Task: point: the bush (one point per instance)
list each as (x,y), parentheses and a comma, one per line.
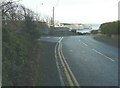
(19,30)
(109,28)
(15,58)
(30,28)
(94,31)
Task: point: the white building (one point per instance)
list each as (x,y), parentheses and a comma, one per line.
(75,26)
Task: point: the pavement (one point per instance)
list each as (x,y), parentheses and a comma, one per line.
(48,72)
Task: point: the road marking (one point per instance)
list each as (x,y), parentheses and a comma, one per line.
(70,50)
(60,39)
(85,44)
(47,37)
(103,55)
(60,75)
(69,75)
(82,42)
(68,70)
(64,67)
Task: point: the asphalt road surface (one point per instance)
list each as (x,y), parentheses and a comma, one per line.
(92,62)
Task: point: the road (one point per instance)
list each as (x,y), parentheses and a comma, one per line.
(92,62)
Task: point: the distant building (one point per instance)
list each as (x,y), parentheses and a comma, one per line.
(75,26)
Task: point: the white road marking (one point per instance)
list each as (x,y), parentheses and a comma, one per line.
(83,51)
(47,37)
(85,44)
(60,39)
(103,55)
(60,75)
(82,42)
(70,50)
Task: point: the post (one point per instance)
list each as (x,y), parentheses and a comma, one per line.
(1,48)
(53,17)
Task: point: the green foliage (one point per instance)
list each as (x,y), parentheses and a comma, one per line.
(94,31)
(30,28)
(118,27)
(18,55)
(19,33)
(109,28)
(14,57)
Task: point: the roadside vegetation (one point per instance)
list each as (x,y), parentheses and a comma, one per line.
(109,32)
(110,28)
(94,31)
(21,27)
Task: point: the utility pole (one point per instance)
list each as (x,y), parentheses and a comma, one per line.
(53,17)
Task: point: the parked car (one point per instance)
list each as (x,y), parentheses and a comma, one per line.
(83,31)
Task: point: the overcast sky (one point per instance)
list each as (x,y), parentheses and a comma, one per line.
(76,11)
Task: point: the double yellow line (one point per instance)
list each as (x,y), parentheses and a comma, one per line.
(71,80)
